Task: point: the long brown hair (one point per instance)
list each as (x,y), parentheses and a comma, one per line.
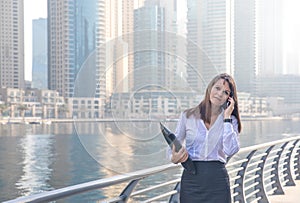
(203,110)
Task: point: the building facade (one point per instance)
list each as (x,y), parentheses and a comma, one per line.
(12,44)
(269,37)
(32,103)
(39,53)
(208,41)
(149,59)
(150,104)
(245,45)
(72,28)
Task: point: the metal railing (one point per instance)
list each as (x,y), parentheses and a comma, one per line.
(255,172)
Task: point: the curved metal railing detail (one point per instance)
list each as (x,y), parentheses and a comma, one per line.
(266,169)
(297,164)
(255,173)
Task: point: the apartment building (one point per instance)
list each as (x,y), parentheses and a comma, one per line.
(11,44)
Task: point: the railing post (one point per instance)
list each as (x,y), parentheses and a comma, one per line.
(297,164)
(175,197)
(262,192)
(127,191)
(240,188)
(275,172)
(287,166)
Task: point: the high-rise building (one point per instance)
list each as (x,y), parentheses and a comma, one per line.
(149,43)
(292,62)
(127,24)
(175,45)
(269,37)
(101,49)
(159,52)
(245,46)
(61,47)
(208,41)
(72,38)
(12,44)
(116,49)
(285,86)
(39,53)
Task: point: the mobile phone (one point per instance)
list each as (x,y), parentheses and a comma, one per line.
(228,102)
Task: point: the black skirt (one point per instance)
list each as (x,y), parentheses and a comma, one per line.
(209,185)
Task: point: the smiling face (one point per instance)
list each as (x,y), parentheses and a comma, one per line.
(219,93)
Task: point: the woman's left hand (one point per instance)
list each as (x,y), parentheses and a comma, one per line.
(228,111)
(180,156)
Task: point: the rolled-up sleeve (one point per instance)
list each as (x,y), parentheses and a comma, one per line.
(231,143)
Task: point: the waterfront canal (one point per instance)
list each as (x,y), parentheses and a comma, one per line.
(36,158)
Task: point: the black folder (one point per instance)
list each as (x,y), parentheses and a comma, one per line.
(172,140)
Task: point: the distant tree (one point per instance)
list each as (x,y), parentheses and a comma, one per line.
(3,108)
(22,108)
(62,110)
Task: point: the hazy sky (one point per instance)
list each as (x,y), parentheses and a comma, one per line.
(34,9)
(291,33)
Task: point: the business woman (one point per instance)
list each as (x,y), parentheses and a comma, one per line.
(210,134)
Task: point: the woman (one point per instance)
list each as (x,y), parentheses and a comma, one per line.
(210,133)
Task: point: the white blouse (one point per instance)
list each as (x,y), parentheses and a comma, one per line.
(216,144)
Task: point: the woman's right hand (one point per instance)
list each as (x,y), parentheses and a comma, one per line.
(180,156)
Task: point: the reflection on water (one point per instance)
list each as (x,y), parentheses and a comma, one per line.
(42,157)
(257,132)
(122,148)
(37,158)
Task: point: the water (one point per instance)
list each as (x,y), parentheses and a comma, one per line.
(37,158)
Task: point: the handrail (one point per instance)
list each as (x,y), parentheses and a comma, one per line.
(254,171)
(92,185)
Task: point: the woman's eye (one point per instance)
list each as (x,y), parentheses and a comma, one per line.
(227,93)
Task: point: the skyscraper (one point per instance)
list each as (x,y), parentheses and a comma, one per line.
(159,51)
(245,45)
(149,43)
(175,45)
(12,44)
(269,37)
(72,44)
(61,46)
(208,41)
(101,49)
(39,53)
(127,23)
(115,49)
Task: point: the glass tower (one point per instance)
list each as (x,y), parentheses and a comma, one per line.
(71,43)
